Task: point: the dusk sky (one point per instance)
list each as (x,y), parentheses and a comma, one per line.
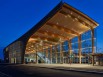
(19,16)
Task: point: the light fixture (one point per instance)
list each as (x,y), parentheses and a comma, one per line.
(32,46)
(29,47)
(78,16)
(76,19)
(57,23)
(65,16)
(69,15)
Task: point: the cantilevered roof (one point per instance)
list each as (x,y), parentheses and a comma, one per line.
(63,22)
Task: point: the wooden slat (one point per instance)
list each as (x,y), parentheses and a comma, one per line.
(54,35)
(79,20)
(62,28)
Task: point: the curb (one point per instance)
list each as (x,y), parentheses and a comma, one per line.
(73,69)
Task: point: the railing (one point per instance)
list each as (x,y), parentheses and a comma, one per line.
(45,59)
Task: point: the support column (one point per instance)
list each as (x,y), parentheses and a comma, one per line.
(61,53)
(79,46)
(92,33)
(36,58)
(47,55)
(70,51)
(62,56)
(51,55)
(36,54)
(42,49)
(56,53)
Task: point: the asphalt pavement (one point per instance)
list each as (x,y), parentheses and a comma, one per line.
(10,70)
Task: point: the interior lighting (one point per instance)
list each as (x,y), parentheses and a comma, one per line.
(78,16)
(69,15)
(57,23)
(32,46)
(76,19)
(65,16)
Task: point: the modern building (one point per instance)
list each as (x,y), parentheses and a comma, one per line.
(65,35)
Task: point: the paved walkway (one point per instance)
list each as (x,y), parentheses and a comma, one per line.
(72,67)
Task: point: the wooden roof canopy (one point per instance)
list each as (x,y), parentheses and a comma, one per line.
(66,23)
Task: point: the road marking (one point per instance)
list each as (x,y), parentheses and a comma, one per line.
(5,74)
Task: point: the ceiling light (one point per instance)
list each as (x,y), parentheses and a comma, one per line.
(69,15)
(76,19)
(32,46)
(78,16)
(57,23)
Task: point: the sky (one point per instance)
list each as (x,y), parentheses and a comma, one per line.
(19,16)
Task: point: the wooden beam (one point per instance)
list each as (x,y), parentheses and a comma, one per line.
(47,54)
(69,8)
(51,55)
(63,29)
(74,17)
(53,35)
(79,46)
(70,51)
(56,53)
(92,32)
(44,38)
(61,56)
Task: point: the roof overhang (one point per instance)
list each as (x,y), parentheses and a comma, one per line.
(65,24)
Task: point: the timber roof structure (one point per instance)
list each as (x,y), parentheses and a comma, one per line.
(63,23)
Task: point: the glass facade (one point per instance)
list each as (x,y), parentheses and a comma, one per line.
(60,53)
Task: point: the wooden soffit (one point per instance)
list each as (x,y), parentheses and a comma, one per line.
(65,24)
